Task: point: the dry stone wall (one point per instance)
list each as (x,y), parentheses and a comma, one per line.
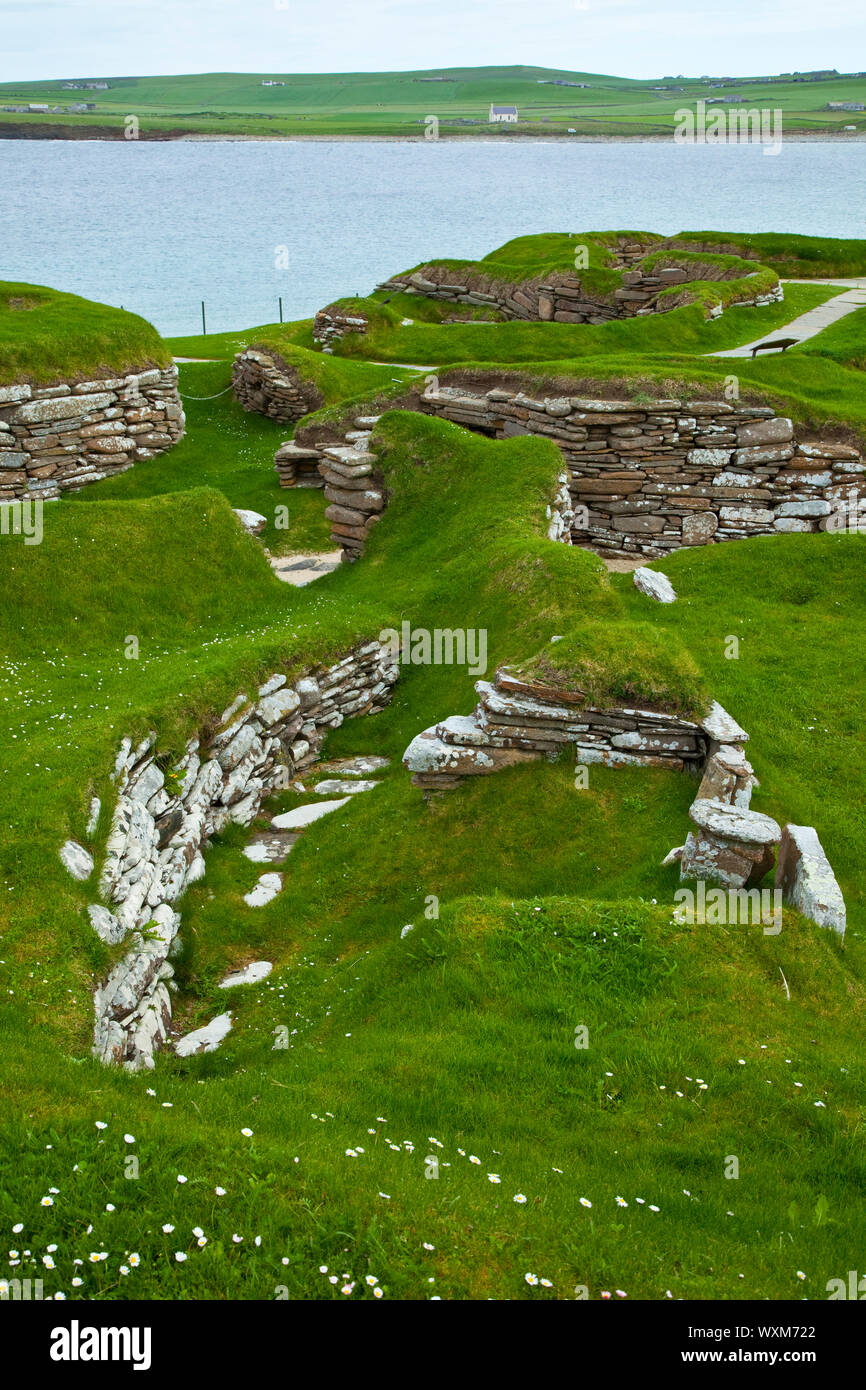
(263,382)
(355,489)
(648,478)
(640,479)
(561,297)
(332,323)
(297,466)
(59,438)
(164,818)
(520,720)
(731,844)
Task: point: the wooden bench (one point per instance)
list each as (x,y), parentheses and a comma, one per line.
(775,343)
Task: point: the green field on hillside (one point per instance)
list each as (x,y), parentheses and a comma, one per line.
(399,104)
(431,1130)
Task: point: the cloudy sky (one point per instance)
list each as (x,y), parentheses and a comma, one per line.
(630,38)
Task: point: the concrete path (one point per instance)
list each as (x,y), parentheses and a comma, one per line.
(813,322)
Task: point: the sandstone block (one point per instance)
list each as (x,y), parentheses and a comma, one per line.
(775,431)
(806,879)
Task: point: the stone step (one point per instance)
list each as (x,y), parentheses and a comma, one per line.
(206,1039)
(360,766)
(339,786)
(302,816)
(270,846)
(249,975)
(264,892)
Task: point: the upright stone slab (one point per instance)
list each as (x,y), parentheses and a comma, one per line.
(806,879)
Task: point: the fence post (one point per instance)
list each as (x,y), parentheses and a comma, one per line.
(281,308)
(203,320)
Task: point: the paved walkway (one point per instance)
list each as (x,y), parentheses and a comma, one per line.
(813,322)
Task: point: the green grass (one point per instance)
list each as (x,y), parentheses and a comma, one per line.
(465,1031)
(811,388)
(729,278)
(397,103)
(792,256)
(222,345)
(844,341)
(679,331)
(231,450)
(333,378)
(553,910)
(47,336)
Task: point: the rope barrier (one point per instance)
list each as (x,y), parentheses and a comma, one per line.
(202,398)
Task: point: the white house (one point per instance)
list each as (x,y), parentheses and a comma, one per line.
(502,114)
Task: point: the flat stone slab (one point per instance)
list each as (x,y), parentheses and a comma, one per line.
(338,786)
(429,755)
(719,725)
(655,585)
(76,860)
(735,823)
(206,1039)
(804,874)
(356,767)
(250,975)
(265,890)
(303,816)
(299,570)
(270,846)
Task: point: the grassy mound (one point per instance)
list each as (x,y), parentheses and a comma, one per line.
(730,277)
(788,254)
(792,256)
(48,336)
(333,378)
(537,908)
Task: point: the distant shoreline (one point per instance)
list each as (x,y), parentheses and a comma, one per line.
(107,135)
(506,139)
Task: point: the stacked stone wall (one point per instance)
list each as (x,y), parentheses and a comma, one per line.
(562,297)
(59,438)
(332,323)
(165,816)
(648,478)
(263,382)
